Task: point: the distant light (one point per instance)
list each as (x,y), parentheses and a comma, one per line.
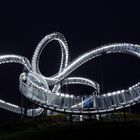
(109,94)
(66,95)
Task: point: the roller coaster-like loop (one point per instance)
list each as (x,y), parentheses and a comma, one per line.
(36,87)
(67,103)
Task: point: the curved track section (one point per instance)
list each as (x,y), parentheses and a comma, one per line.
(64,102)
(12,107)
(38,88)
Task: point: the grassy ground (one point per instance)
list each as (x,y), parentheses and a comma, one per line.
(59,128)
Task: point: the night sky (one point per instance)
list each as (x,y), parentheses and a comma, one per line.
(85,24)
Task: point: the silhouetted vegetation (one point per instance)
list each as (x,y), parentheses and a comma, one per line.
(58,127)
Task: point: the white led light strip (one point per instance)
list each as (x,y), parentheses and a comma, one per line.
(36,87)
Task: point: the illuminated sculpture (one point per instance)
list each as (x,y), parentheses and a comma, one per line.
(36,87)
